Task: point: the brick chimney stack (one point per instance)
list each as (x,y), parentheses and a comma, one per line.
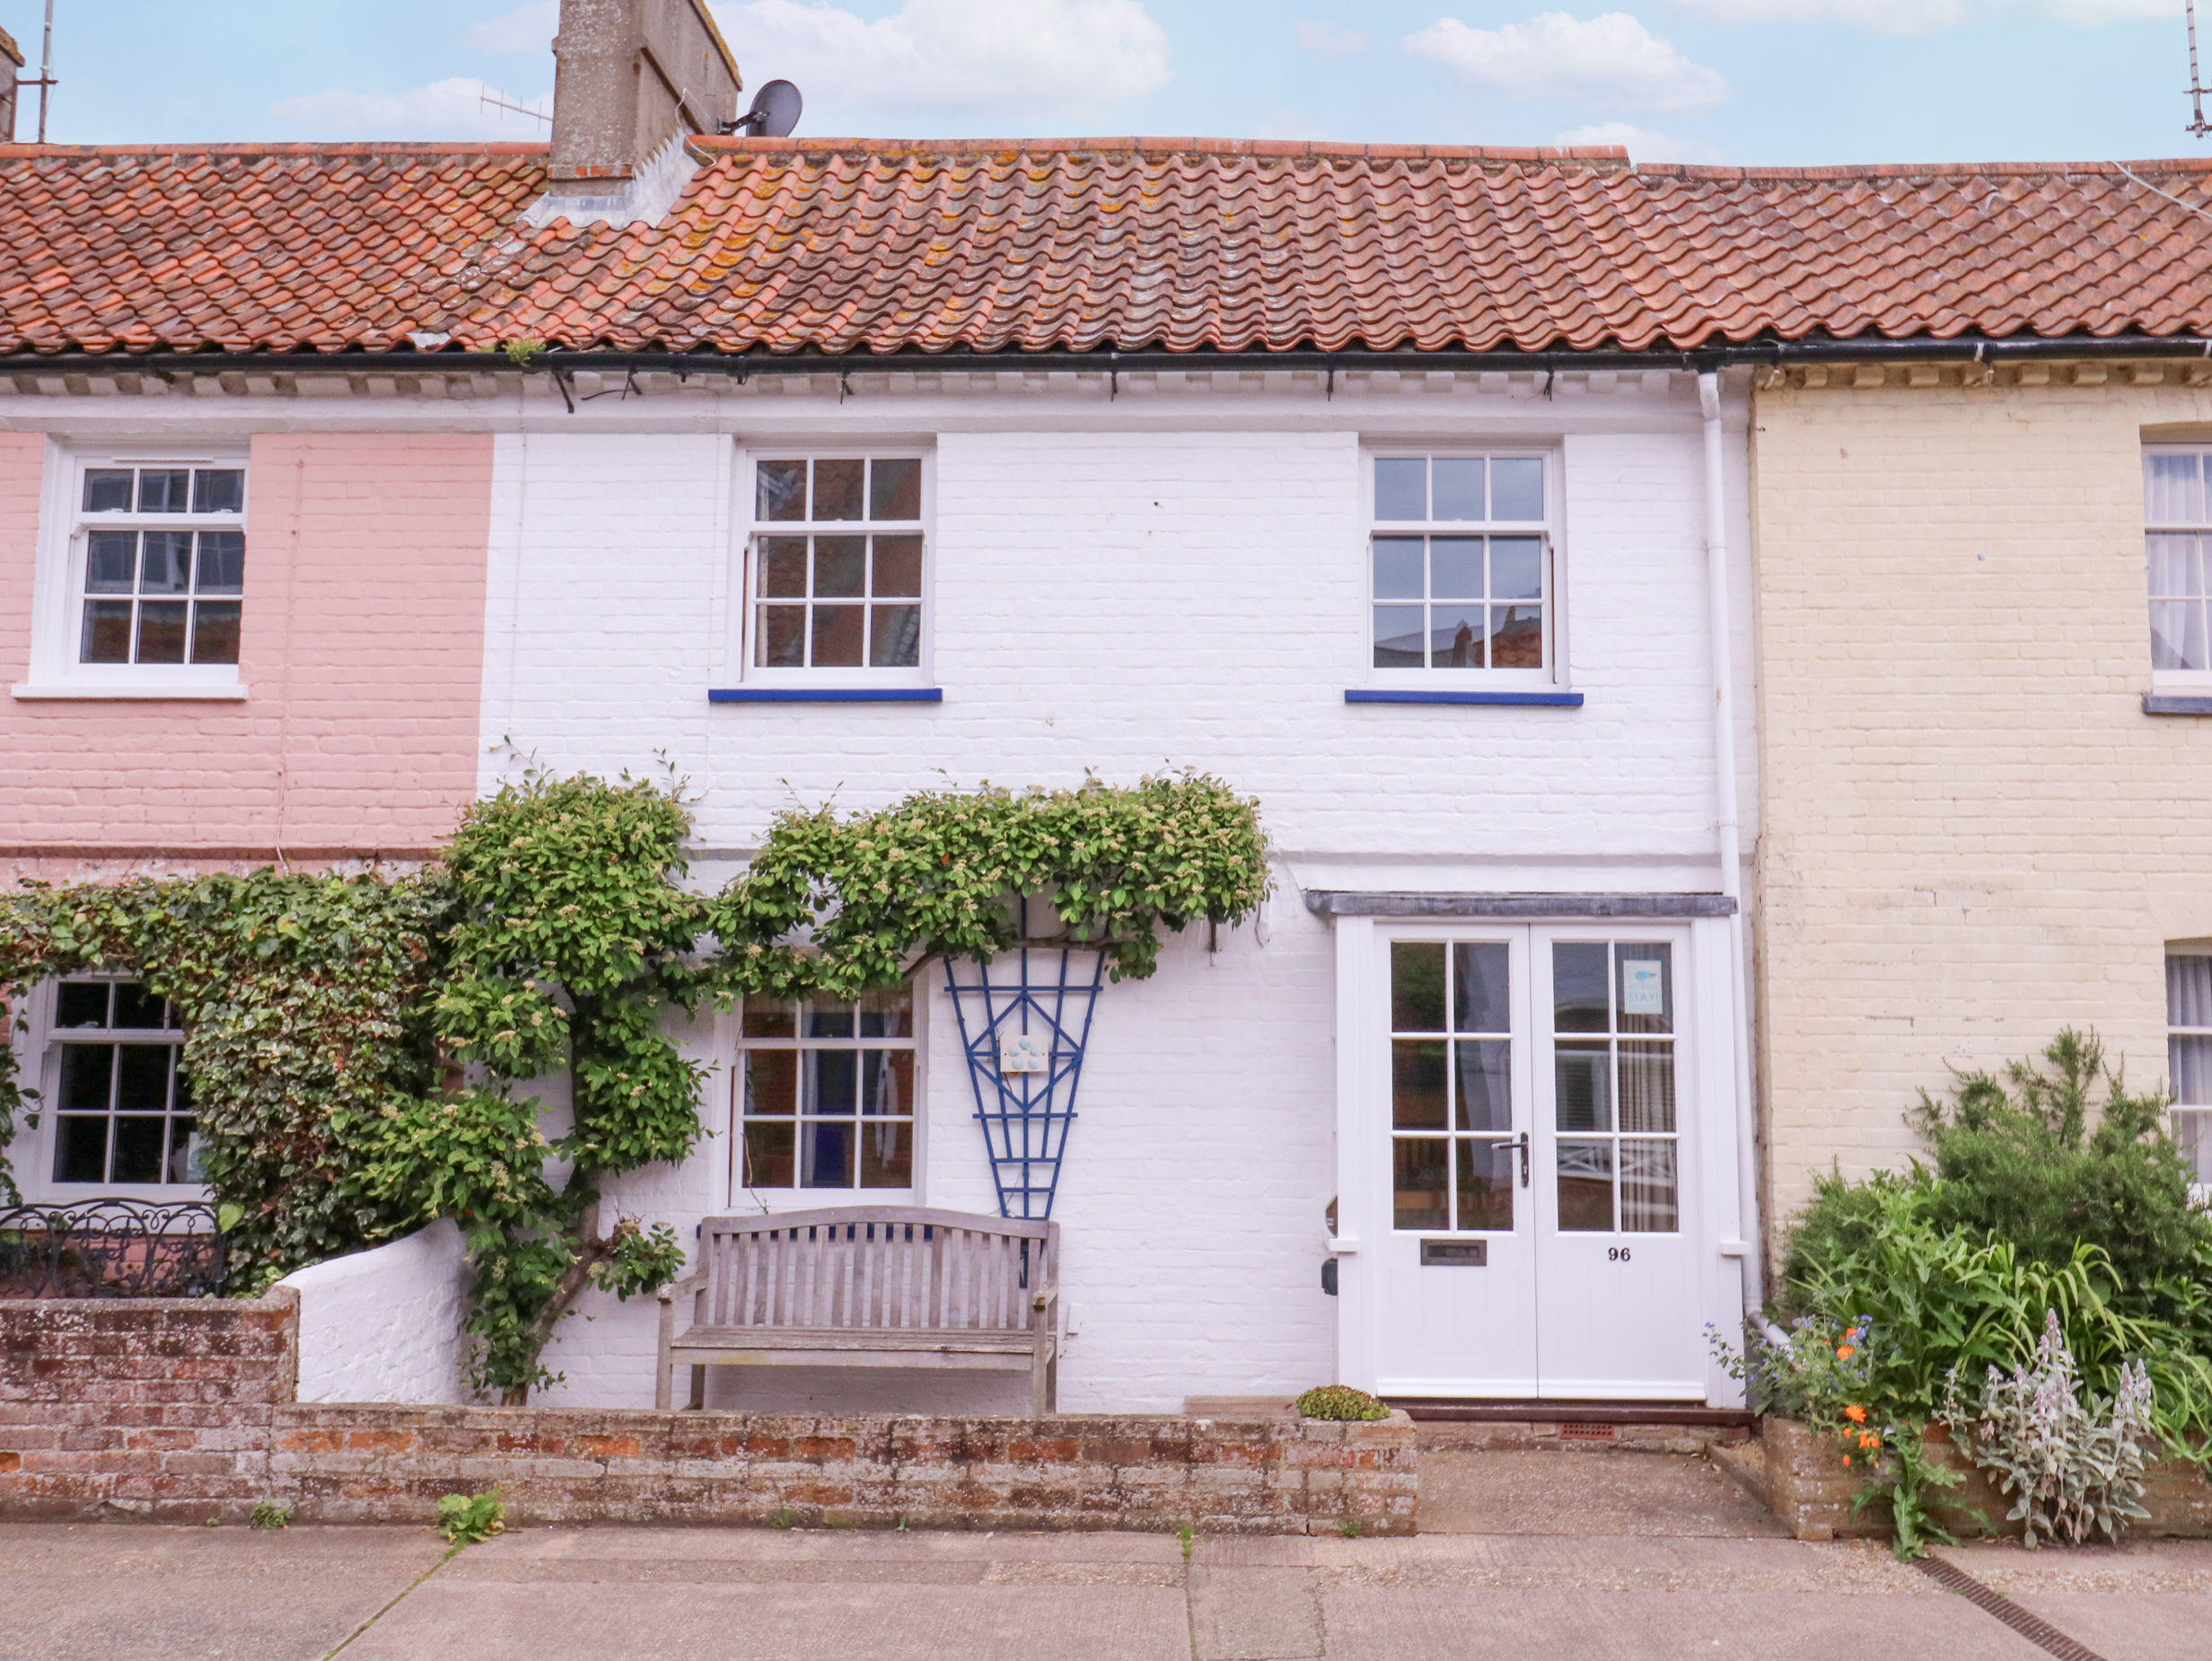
(630,77)
(10,66)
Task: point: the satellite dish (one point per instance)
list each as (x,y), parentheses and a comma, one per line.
(775,112)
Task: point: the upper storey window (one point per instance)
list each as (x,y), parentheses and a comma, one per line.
(1459,564)
(837,566)
(2178,537)
(160,562)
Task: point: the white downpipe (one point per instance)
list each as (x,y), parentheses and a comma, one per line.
(1729,830)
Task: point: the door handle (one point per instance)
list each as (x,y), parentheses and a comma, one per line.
(1521,1142)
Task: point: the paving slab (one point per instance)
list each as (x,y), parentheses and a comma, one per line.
(134,1592)
(1613,1491)
(1253,1614)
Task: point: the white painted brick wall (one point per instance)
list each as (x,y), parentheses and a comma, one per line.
(385,1325)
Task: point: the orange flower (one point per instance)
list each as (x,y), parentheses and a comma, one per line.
(1844,1353)
(1866,1439)
(1857,1415)
(1846,1459)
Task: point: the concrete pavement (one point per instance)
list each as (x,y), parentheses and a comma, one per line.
(1561,1558)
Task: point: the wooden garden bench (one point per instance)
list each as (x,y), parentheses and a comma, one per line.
(868,1286)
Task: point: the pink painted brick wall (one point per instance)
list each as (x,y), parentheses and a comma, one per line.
(363,647)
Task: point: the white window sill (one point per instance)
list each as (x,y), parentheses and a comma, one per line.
(101,691)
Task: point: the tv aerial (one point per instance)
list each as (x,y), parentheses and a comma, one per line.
(775,112)
(2197,89)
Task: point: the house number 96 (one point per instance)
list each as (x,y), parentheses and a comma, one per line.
(1616,1254)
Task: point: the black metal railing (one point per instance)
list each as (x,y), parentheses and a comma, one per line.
(112,1248)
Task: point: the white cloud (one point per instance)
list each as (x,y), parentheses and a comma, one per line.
(1924,17)
(1014,59)
(1612,62)
(1327,40)
(526,29)
(449,109)
(1641,142)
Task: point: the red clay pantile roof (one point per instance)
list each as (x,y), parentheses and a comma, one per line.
(784,245)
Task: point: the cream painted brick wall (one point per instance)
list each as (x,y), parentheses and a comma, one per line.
(1972,834)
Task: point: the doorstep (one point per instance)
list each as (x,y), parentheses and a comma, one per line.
(1630,1426)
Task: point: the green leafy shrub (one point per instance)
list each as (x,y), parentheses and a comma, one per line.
(470,1519)
(267,1514)
(1341,1402)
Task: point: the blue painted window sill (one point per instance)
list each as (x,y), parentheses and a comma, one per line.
(2176,704)
(1543,700)
(826,695)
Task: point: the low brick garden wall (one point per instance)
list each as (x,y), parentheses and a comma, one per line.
(1809,1487)
(176,1411)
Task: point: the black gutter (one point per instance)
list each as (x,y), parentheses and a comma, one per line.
(1768,353)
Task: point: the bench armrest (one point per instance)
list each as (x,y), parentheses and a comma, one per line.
(690,1284)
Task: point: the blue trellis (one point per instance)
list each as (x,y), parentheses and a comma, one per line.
(1026,1116)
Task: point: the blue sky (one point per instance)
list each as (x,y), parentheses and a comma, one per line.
(1777,82)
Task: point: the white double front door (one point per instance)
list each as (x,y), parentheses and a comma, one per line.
(1524,1139)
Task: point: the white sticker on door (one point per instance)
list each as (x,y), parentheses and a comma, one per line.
(1642,992)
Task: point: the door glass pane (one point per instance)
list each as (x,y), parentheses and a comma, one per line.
(1646,1085)
(1416,986)
(1417,1182)
(1646,992)
(1485,1177)
(1647,1187)
(1484,1084)
(1479,988)
(1578,987)
(1584,1087)
(1585,1187)
(1418,1084)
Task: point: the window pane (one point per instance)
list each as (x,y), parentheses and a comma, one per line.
(895,488)
(1417,986)
(771,1083)
(837,489)
(81,1150)
(183,1162)
(1578,987)
(1647,1187)
(1398,641)
(1458,484)
(164,490)
(887,1014)
(1486,1176)
(1516,567)
(783,567)
(138,1148)
(886,1083)
(165,566)
(840,566)
(1418,1182)
(1455,567)
(1585,1187)
(2173,567)
(2173,490)
(768,1155)
(1516,636)
(222,562)
(2189,1068)
(1646,1085)
(106,490)
(160,631)
(766,1018)
(1479,988)
(87,1070)
(214,631)
(219,490)
(826,1153)
(781,642)
(1484,1084)
(111,562)
(1401,488)
(1516,489)
(898,566)
(1584,1087)
(1646,990)
(142,1077)
(1397,567)
(1455,636)
(1418,1084)
(2189,993)
(138,1009)
(780,490)
(2177,635)
(895,636)
(107,632)
(887,1154)
(837,635)
(85,1003)
(828,1020)
(831,1081)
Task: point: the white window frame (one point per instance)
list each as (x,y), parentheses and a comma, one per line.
(39,1047)
(2172,680)
(2189,948)
(747,623)
(58,609)
(750,1197)
(1550,529)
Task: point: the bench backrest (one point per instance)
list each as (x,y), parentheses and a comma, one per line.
(874,1266)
